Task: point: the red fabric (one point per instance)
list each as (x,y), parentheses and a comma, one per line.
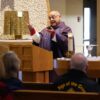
(4,92)
(6,97)
(52,32)
(2,85)
(32,30)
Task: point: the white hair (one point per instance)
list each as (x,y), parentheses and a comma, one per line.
(11,63)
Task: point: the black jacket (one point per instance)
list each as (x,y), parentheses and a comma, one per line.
(76,80)
(13,83)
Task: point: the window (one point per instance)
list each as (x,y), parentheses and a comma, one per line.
(86,37)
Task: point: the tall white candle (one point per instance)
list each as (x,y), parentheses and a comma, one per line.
(70,42)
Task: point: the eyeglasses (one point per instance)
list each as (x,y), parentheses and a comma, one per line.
(53,17)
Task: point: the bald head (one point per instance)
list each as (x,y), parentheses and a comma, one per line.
(79,62)
(54,13)
(55,18)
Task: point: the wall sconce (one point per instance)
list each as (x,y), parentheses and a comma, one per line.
(78,19)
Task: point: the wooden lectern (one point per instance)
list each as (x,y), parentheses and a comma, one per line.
(36,62)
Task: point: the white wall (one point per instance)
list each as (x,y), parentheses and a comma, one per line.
(70,10)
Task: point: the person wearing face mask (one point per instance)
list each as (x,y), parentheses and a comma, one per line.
(53,37)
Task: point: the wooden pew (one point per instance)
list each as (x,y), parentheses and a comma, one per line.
(38,86)
(54,95)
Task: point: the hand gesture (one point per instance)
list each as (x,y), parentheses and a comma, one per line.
(51,31)
(31,28)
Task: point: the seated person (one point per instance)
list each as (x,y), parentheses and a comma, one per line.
(11,64)
(76,78)
(5,93)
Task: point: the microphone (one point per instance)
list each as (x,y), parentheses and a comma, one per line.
(49,27)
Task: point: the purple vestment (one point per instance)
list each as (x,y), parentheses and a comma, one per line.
(60,47)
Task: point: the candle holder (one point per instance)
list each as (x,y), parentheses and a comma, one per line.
(70,42)
(70,51)
(18,36)
(69,54)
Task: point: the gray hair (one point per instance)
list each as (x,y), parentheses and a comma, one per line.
(79,62)
(11,63)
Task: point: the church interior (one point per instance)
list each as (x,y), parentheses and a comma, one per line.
(38,68)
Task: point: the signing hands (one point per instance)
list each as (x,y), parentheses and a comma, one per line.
(51,31)
(31,29)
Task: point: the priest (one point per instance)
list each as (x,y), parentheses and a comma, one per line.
(53,37)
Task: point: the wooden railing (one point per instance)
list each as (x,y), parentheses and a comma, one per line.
(38,86)
(54,95)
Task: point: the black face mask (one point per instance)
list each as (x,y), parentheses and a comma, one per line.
(55,27)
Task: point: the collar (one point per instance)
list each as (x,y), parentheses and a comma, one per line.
(76,73)
(61,24)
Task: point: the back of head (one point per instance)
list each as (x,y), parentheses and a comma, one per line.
(11,63)
(79,62)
